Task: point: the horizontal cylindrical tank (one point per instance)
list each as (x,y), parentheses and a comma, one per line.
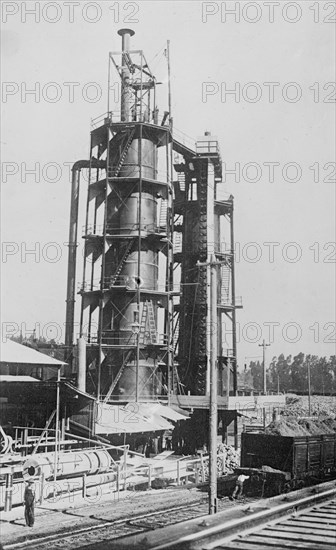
(69,464)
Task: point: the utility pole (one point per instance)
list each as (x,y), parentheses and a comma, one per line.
(213,405)
(264,346)
(213,413)
(309,389)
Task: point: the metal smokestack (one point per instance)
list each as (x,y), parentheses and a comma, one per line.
(126,93)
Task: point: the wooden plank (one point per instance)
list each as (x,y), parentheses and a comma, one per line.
(315,525)
(316,519)
(324,515)
(247,545)
(306,530)
(273,532)
(278,544)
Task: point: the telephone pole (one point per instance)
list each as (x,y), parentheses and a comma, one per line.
(213,413)
(213,404)
(264,346)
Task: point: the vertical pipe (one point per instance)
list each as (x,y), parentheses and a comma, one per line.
(88,164)
(264,367)
(309,389)
(234,329)
(169,274)
(72,254)
(213,387)
(108,85)
(125,106)
(233,301)
(81,375)
(56,425)
(228,373)
(9,491)
(102,278)
(169,86)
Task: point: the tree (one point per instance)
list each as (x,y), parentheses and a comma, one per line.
(298,374)
(257,374)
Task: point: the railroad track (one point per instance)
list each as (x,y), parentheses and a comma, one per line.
(303,519)
(76,537)
(314,529)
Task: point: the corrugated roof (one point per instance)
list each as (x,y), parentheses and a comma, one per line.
(114,419)
(149,409)
(12,352)
(12,378)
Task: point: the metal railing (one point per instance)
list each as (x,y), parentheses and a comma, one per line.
(160,176)
(129,283)
(209,147)
(112,231)
(183,138)
(114,117)
(227,301)
(117,339)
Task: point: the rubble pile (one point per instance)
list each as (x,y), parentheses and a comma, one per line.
(227,460)
(320,405)
(290,426)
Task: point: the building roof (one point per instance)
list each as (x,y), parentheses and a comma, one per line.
(135,418)
(12,352)
(13,378)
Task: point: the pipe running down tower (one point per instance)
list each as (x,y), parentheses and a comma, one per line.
(126,314)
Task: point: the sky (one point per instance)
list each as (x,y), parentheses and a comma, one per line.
(259,75)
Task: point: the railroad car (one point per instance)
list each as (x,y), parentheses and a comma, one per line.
(277,464)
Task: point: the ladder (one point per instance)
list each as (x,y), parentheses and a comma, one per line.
(181,180)
(117,378)
(176,333)
(124,153)
(225,284)
(163,214)
(177,242)
(148,316)
(123,260)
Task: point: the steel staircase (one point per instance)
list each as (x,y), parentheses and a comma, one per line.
(123,154)
(123,260)
(117,378)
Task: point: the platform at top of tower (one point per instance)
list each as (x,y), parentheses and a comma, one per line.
(208,146)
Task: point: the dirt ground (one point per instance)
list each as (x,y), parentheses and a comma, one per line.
(74,512)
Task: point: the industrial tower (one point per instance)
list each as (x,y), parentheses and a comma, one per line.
(154,218)
(205,224)
(126,314)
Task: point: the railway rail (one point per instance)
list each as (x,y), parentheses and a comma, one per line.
(314,529)
(75,537)
(302,519)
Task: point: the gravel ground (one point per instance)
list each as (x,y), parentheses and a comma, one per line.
(52,518)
